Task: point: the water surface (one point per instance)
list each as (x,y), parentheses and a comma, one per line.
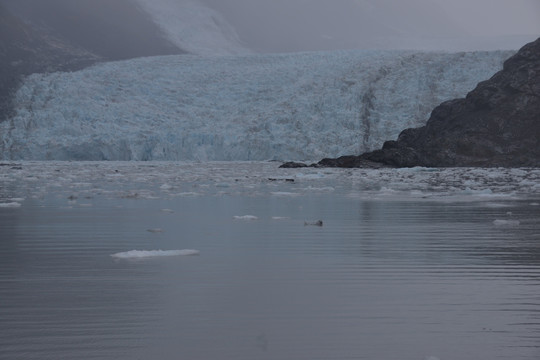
(408,264)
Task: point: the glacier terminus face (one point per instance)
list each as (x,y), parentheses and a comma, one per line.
(302,106)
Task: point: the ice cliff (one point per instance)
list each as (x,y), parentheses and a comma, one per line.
(255,107)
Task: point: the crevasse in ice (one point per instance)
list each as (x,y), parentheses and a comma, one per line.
(302,106)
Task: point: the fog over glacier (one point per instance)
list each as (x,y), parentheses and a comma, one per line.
(300,106)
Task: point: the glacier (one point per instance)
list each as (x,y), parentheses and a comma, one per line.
(301,106)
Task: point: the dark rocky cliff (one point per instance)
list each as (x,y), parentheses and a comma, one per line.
(497,124)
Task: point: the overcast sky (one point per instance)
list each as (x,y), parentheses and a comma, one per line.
(305,25)
(495,17)
(281,25)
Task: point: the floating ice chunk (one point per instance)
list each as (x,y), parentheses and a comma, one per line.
(246,217)
(284,193)
(10,205)
(141,254)
(169,211)
(165,187)
(506,223)
(280,218)
(190,193)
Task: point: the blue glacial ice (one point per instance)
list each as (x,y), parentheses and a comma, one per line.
(303,106)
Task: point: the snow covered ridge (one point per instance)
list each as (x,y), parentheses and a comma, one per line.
(257,107)
(194,27)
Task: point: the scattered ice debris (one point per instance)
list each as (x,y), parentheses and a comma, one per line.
(280,217)
(165,187)
(155,231)
(10,205)
(141,254)
(508,223)
(246,217)
(313,223)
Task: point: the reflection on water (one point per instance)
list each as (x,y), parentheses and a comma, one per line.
(381,279)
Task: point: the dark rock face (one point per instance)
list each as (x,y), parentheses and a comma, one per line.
(497,124)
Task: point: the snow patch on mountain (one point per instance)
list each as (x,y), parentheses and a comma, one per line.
(303,106)
(194,27)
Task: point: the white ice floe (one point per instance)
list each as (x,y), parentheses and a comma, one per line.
(141,254)
(10,205)
(284,193)
(508,223)
(246,217)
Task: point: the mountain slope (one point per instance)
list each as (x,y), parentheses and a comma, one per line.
(24,51)
(62,35)
(194,27)
(112,30)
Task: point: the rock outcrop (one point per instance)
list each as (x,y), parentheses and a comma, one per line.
(496,125)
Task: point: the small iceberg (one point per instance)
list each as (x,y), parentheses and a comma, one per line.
(10,205)
(246,217)
(508,223)
(143,254)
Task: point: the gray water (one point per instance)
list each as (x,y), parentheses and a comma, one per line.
(410,269)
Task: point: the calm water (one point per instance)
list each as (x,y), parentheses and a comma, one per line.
(411,269)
